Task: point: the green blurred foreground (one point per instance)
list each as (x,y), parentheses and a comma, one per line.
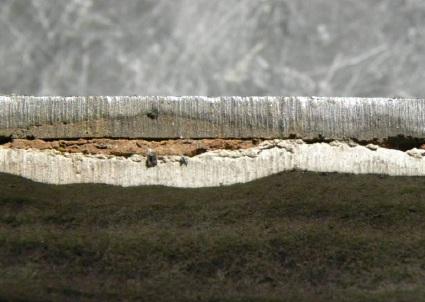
(290,237)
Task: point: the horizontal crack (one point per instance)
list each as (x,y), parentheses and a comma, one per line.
(401,142)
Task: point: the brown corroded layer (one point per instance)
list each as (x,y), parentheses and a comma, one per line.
(127,147)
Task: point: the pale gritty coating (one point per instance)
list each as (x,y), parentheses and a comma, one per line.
(209,169)
(128,147)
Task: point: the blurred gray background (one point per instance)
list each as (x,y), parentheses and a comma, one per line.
(207,47)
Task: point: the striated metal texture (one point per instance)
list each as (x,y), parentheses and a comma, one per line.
(214,168)
(205,117)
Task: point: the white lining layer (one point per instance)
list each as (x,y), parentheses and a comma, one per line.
(213,168)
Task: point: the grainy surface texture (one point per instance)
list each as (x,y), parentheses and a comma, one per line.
(204,47)
(129,147)
(212,167)
(205,117)
(290,237)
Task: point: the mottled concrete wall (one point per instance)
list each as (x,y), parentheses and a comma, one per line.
(203,117)
(213,47)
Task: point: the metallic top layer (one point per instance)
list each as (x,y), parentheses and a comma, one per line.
(211,117)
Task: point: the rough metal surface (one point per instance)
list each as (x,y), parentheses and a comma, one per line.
(204,117)
(213,168)
(204,47)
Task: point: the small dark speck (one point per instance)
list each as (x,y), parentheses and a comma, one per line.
(153,114)
(151,160)
(102,146)
(183,161)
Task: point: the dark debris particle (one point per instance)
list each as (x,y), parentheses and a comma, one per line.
(153,114)
(151,160)
(183,161)
(102,146)
(5,139)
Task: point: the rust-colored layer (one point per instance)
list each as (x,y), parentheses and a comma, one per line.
(128,147)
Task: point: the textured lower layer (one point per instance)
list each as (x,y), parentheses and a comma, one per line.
(212,168)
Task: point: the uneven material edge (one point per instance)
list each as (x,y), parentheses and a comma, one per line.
(213,168)
(211,117)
